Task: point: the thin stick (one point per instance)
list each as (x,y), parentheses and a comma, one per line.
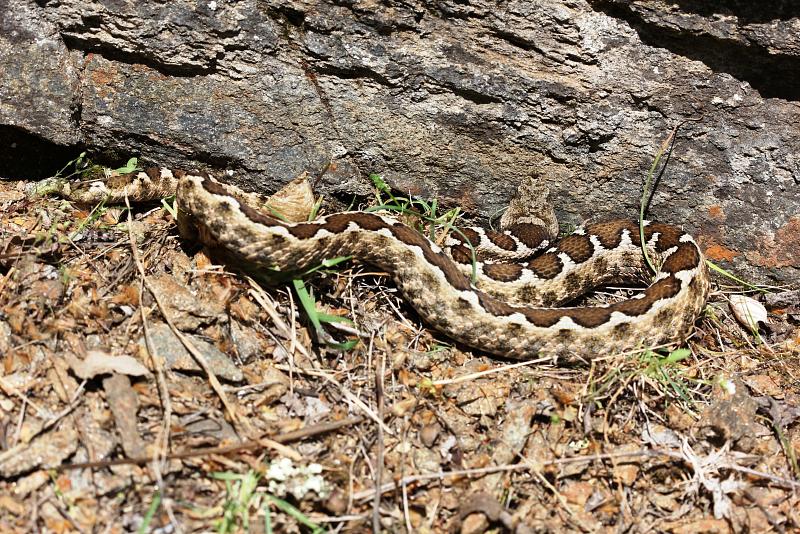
(479,374)
(390,486)
(10,390)
(288,437)
(50,423)
(507,367)
(376,503)
(4,280)
(196,354)
(162,439)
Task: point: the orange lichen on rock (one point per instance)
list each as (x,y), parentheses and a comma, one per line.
(781,249)
(717,252)
(716,212)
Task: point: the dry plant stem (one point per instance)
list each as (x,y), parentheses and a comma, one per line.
(293,337)
(406,515)
(55,503)
(358,402)
(268,305)
(304,371)
(11,391)
(537,471)
(281,449)
(162,439)
(655,453)
(584,411)
(258,293)
(212,378)
(163,436)
(350,469)
(34,514)
(20,421)
(338,518)
(50,423)
(507,367)
(376,504)
(166,503)
(612,401)
(86,258)
(479,374)
(173,521)
(6,278)
(288,437)
(106,250)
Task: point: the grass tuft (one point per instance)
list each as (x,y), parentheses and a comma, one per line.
(433,224)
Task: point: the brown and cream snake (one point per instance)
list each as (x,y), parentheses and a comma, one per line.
(513,312)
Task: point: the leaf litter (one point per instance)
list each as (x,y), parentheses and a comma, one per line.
(111,421)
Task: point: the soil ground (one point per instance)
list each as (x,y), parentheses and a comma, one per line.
(109,424)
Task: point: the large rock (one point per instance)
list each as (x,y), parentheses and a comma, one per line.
(39,90)
(454,99)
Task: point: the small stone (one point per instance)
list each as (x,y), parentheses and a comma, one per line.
(577,492)
(32,482)
(428,434)
(401,408)
(167,345)
(626,474)
(5,337)
(337,502)
(474,524)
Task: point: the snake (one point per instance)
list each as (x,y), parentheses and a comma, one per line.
(505,306)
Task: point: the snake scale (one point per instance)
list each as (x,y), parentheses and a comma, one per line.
(514,310)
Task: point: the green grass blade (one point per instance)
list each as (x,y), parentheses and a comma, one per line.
(292,511)
(129,167)
(717,269)
(315,208)
(327,263)
(267,518)
(328,318)
(170,206)
(646,195)
(316,317)
(308,303)
(151,512)
(675,356)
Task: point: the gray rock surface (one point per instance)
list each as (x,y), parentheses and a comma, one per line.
(450,98)
(40,89)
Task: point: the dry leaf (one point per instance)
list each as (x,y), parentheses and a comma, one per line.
(98,363)
(748,311)
(294,201)
(128,294)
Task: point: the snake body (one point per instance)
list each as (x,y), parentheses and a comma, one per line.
(489,317)
(512,311)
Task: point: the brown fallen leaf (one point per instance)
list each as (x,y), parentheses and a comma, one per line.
(124,404)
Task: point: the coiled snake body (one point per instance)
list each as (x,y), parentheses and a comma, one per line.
(513,312)
(436,286)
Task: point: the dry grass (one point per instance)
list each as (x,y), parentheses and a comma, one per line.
(275,430)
